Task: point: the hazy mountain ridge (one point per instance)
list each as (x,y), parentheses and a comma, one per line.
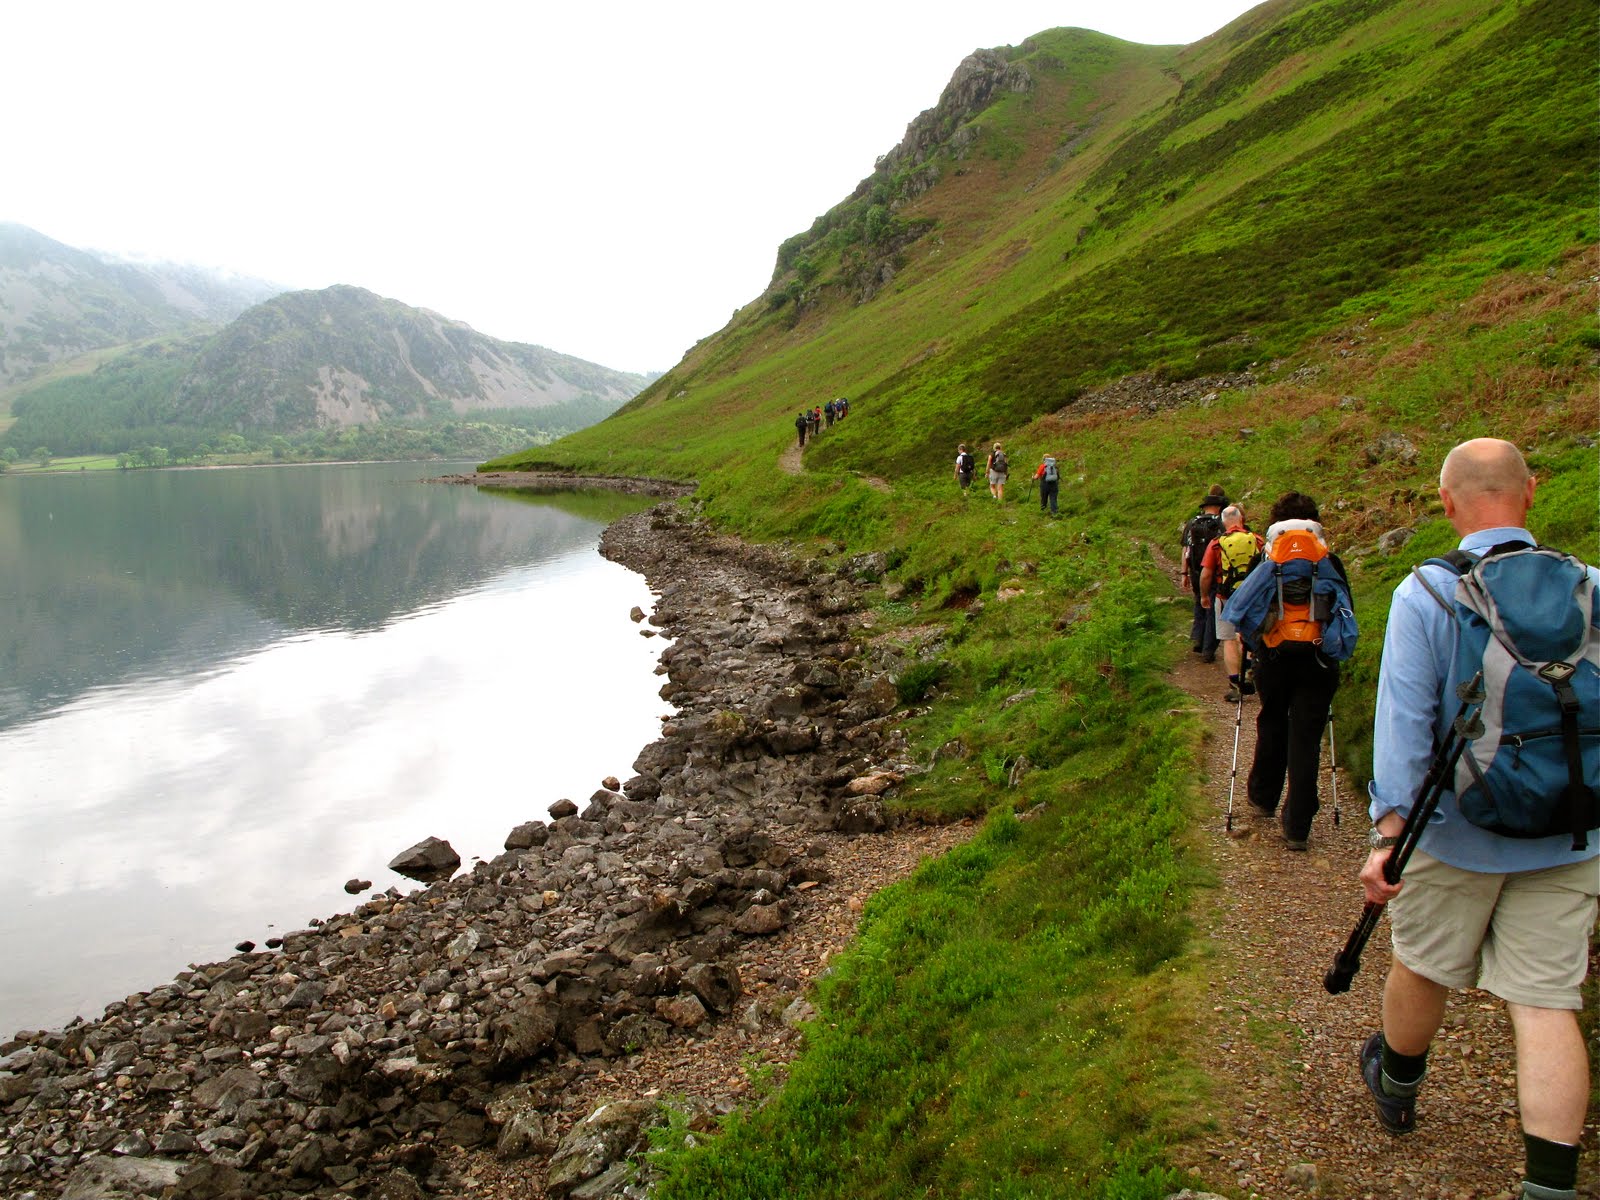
(344,356)
(110,357)
(57,301)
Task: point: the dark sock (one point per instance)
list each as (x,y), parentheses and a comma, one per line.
(1403,1071)
(1551,1164)
(1233,679)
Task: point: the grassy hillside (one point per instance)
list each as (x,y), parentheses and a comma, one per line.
(1379,218)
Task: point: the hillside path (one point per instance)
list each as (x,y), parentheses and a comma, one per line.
(1293,1117)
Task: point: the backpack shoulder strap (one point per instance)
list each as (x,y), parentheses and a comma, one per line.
(1458,562)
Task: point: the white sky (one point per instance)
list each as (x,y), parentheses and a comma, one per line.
(608,180)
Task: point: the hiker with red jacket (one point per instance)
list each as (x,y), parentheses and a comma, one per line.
(1223,567)
(1295,611)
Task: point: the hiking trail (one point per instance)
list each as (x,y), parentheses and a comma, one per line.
(1294,1117)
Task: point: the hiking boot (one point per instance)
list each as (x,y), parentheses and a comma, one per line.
(1295,843)
(1537,1191)
(1233,695)
(1209,656)
(1397,1114)
(1248,687)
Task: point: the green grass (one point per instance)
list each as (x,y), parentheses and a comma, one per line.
(1008,1022)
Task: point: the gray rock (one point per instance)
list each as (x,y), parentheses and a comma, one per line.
(521,1034)
(227,1091)
(528,835)
(356,886)
(429,861)
(103,1178)
(210,1181)
(1390,446)
(605,1136)
(761,919)
(717,985)
(398,1184)
(1393,539)
(563,808)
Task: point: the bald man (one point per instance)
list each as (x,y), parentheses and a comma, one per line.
(1475,909)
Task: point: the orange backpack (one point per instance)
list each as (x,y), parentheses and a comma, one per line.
(1295,613)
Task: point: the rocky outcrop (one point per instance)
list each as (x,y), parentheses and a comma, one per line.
(982,76)
(459,1014)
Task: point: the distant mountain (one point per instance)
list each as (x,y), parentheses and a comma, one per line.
(57,302)
(340,372)
(344,356)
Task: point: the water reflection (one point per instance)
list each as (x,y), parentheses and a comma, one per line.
(172,799)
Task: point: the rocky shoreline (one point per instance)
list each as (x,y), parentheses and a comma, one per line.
(396,1050)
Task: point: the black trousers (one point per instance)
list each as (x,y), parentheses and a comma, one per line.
(1295,685)
(1202,630)
(1049,489)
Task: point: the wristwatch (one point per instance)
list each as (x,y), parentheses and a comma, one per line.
(1380,841)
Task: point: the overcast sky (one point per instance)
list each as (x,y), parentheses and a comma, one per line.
(609,180)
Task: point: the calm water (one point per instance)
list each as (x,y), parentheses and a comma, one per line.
(224,693)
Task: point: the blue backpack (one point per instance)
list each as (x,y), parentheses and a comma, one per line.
(1525,618)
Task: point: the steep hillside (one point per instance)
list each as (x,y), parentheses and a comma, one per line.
(57,302)
(1078,208)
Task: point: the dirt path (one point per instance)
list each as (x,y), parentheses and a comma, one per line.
(1294,1116)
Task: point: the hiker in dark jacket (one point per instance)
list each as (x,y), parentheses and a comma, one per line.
(1198,532)
(1049,477)
(802,422)
(1295,683)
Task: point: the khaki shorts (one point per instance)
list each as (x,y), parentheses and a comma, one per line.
(1226,630)
(1524,936)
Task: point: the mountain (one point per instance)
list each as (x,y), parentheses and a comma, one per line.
(57,302)
(1077,210)
(343,356)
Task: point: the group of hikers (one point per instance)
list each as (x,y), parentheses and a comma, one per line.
(810,421)
(1485,785)
(998,469)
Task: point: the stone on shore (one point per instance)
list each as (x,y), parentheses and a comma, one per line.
(429,861)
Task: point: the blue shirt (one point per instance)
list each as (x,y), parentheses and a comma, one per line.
(1413,719)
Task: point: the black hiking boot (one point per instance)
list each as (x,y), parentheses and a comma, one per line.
(1397,1114)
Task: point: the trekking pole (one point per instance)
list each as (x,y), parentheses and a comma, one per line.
(1333,770)
(1233,771)
(1466,727)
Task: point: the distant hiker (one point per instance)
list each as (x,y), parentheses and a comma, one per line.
(997,472)
(1511,915)
(1223,567)
(965,465)
(802,422)
(843,405)
(1199,531)
(1049,477)
(1294,609)
(816,421)
(828,411)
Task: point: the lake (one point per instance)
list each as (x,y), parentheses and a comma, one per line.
(223,693)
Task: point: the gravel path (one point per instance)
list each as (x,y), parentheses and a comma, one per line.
(1294,1118)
